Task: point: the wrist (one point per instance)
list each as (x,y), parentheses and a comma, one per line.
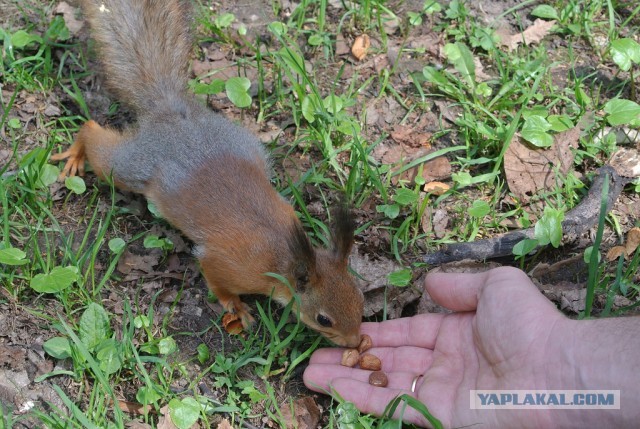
(595,355)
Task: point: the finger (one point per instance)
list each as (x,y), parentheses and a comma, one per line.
(416,331)
(318,377)
(461,291)
(394,359)
(456,291)
(374,400)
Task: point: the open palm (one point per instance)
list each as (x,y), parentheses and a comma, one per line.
(499,337)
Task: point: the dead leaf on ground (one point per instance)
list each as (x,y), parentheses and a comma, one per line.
(436,188)
(12,357)
(341,45)
(232,323)
(626,162)
(220,69)
(633,240)
(135,424)
(570,296)
(129,262)
(305,413)
(134,408)
(410,136)
(360,47)
(435,221)
(224,424)
(69,16)
(430,42)
(534,34)
(529,169)
(615,252)
(164,421)
(481,76)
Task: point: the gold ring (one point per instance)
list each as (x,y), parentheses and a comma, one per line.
(415,382)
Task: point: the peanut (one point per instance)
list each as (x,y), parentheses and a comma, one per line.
(378,379)
(350,357)
(365,343)
(370,362)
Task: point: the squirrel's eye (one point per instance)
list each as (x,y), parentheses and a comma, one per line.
(324,321)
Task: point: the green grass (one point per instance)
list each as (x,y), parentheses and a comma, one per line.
(60,249)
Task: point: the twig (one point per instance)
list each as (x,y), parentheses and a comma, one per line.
(577,221)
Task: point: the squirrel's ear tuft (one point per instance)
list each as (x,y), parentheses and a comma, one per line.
(344,226)
(303,253)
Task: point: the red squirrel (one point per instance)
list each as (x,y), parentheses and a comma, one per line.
(208,176)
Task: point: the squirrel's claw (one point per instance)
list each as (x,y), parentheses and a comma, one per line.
(240,309)
(75,157)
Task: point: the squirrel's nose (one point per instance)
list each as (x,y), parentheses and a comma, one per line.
(351,341)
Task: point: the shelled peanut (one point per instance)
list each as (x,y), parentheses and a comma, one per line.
(357,356)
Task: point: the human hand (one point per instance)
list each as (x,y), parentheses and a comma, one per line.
(502,336)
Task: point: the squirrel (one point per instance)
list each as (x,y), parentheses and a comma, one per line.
(207,176)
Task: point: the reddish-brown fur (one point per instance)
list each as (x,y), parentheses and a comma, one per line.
(207,176)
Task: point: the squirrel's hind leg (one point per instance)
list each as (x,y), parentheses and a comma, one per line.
(93,143)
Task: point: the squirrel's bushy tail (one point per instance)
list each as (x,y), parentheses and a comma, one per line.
(144,48)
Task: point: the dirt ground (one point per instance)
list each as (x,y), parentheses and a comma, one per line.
(175,277)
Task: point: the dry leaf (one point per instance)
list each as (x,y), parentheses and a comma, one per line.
(145,263)
(626,162)
(360,47)
(633,240)
(341,45)
(134,407)
(481,76)
(232,323)
(224,424)
(535,33)
(408,135)
(305,414)
(69,15)
(164,421)
(436,221)
(529,169)
(135,424)
(436,188)
(615,252)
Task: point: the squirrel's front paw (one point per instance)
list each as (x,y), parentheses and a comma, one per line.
(75,157)
(240,310)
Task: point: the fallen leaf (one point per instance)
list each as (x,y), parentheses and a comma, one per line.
(436,188)
(341,45)
(615,252)
(481,76)
(626,162)
(408,135)
(437,169)
(134,407)
(360,47)
(302,414)
(145,263)
(135,424)
(12,357)
(633,240)
(69,15)
(529,170)
(224,424)
(164,421)
(435,221)
(232,323)
(535,33)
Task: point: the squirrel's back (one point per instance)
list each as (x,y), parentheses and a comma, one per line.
(144,47)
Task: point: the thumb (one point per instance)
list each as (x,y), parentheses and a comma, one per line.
(461,291)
